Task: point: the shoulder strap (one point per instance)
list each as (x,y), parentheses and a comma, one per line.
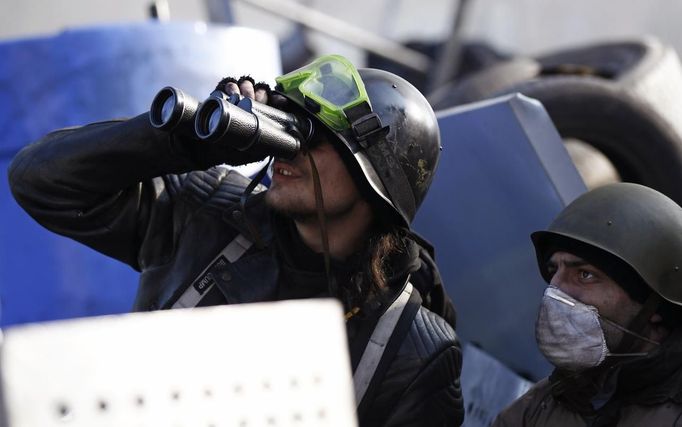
(204,282)
(384,343)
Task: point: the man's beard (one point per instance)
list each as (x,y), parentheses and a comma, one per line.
(296,215)
(306,215)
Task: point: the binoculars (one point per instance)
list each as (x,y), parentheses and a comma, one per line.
(235,121)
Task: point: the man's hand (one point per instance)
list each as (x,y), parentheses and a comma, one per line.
(206,154)
(247,87)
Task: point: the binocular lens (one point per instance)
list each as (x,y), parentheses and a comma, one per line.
(213,121)
(170,107)
(209,118)
(167,108)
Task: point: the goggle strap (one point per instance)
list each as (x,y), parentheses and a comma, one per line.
(371,135)
(363,122)
(392,176)
(364,127)
(356,112)
(311,104)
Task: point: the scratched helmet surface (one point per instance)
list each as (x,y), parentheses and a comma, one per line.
(386,126)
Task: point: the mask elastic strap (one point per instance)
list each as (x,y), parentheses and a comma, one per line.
(627,331)
(322,219)
(638,324)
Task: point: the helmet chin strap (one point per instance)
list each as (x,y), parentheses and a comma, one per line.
(319,202)
(322,220)
(257,238)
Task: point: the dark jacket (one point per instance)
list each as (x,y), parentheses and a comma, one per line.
(135,194)
(646,392)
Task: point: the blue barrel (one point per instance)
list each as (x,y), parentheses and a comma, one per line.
(81,76)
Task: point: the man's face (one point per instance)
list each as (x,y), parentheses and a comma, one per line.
(589,285)
(292,191)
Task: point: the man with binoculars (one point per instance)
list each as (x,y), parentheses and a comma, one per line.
(355,152)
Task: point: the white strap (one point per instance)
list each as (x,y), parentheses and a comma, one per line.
(377,343)
(205,281)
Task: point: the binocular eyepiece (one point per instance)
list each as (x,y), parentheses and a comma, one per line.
(170,108)
(235,121)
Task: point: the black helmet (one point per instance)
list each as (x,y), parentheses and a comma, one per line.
(387,127)
(636,224)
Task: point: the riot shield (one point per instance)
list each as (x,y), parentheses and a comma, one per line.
(503,174)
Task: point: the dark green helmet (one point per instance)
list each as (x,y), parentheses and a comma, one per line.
(634,223)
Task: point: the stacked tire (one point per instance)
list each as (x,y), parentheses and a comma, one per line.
(621,100)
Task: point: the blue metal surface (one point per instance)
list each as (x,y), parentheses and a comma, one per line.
(487,386)
(80,76)
(504,173)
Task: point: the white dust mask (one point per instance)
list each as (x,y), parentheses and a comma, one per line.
(568,332)
(570,335)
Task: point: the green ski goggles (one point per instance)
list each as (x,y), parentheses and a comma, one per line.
(329,87)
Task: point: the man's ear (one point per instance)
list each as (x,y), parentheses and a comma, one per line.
(658,330)
(656,319)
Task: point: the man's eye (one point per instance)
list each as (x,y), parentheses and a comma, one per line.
(551,268)
(586,275)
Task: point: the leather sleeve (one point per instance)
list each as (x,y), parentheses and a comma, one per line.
(435,397)
(101,183)
(422,387)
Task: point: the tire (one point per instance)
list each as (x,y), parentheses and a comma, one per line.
(596,94)
(608,60)
(643,148)
(484,83)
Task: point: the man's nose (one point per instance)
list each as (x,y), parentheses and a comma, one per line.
(560,281)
